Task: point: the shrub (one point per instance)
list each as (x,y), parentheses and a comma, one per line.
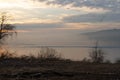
(48,53)
(97,54)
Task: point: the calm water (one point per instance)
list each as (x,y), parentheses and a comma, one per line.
(70,43)
(70,52)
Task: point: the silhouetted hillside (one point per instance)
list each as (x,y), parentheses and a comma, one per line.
(107,36)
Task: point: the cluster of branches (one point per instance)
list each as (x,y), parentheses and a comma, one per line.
(6,29)
(45,53)
(97,54)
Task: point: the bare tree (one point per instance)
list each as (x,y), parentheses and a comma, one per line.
(6,29)
(97,54)
(48,53)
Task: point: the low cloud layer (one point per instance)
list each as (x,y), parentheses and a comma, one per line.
(107,17)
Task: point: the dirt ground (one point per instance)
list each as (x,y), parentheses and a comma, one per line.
(57,70)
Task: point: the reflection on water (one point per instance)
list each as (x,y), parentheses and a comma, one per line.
(74,53)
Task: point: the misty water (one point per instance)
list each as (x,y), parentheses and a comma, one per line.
(69,52)
(71,44)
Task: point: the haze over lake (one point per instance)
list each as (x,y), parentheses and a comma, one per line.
(72,44)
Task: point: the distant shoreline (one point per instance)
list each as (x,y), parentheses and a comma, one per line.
(71,46)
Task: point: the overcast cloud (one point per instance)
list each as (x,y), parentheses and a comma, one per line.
(113,5)
(92,17)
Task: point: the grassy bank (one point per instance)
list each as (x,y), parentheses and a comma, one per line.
(56,69)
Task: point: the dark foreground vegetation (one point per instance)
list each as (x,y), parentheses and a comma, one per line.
(53,67)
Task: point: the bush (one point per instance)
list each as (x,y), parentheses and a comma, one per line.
(97,54)
(48,53)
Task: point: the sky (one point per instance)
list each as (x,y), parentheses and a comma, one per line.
(59,22)
(64,14)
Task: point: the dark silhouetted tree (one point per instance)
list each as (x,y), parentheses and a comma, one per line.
(97,54)
(6,29)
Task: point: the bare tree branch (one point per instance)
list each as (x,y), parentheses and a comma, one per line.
(6,29)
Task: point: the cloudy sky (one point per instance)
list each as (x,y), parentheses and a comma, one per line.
(64,14)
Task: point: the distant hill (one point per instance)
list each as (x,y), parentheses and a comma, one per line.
(111,36)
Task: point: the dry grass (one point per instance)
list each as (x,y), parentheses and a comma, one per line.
(50,66)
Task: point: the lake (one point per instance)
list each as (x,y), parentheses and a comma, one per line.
(69,52)
(70,43)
